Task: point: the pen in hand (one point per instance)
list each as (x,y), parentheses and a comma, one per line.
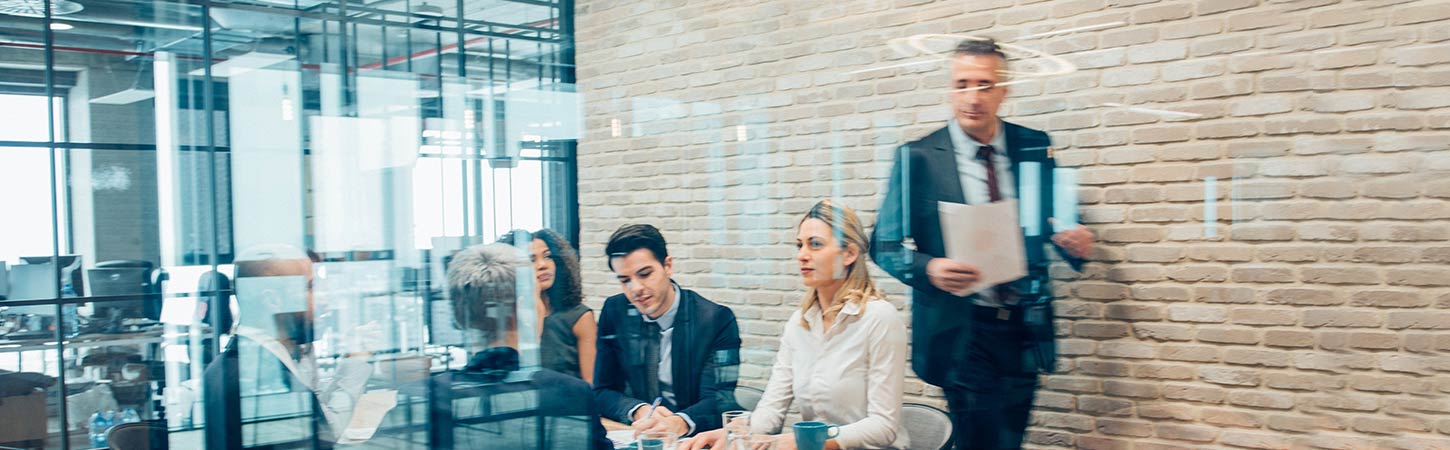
(647,415)
(652,408)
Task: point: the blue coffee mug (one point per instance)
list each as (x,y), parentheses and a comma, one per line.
(813,435)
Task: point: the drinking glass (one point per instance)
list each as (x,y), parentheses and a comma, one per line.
(656,440)
(737,426)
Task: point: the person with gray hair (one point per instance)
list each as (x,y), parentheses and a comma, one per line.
(483,290)
(484,285)
(984,345)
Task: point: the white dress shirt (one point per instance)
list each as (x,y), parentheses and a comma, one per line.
(850,375)
(974,178)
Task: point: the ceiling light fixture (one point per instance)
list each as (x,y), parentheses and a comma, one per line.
(36,8)
(426,9)
(57,26)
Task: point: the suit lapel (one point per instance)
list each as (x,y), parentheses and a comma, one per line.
(944,167)
(679,344)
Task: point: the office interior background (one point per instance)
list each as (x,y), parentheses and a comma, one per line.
(1267,180)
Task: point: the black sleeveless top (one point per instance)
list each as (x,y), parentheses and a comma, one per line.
(559,348)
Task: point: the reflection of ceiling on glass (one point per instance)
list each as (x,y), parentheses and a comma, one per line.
(36,8)
(379,28)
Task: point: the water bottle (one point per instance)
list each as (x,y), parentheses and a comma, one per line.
(70,319)
(99,425)
(129,415)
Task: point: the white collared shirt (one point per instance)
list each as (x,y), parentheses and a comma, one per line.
(973,173)
(974,178)
(850,375)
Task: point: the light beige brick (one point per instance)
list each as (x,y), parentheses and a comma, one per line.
(1221,88)
(1261,62)
(1207,7)
(1219,45)
(1341,102)
(1298,125)
(1159,52)
(1288,339)
(1339,275)
(1338,17)
(1162,332)
(1231,417)
(1303,297)
(1239,336)
(1221,294)
(1291,82)
(1160,13)
(1197,28)
(1303,424)
(1421,55)
(1229,376)
(1256,440)
(1160,293)
(1127,37)
(1197,314)
(1194,393)
(1261,399)
(1192,433)
(1231,129)
(1262,274)
(1314,318)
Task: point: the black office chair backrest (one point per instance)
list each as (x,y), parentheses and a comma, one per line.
(151,282)
(145,435)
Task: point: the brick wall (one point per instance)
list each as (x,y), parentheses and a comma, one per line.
(1310,311)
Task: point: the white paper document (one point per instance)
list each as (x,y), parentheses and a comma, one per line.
(986,236)
(621,438)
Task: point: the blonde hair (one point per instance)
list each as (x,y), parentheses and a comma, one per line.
(848,232)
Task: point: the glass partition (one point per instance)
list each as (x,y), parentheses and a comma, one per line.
(420,223)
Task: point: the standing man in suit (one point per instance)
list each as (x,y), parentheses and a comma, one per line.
(659,340)
(983,348)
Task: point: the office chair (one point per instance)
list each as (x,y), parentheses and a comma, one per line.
(151,281)
(927,427)
(143,435)
(747,397)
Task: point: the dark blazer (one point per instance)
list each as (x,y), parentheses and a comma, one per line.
(704,352)
(910,211)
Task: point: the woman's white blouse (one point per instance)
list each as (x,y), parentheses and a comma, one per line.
(850,375)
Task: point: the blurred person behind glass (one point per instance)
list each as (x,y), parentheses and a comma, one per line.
(983,345)
(274,290)
(486,284)
(842,357)
(567,327)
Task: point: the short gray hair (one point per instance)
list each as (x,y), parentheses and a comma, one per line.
(979,46)
(481,278)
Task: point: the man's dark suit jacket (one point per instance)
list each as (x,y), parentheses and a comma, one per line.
(704,352)
(910,211)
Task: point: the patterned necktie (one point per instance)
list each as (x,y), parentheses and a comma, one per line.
(984,155)
(652,359)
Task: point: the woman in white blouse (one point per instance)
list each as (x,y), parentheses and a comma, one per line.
(842,357)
